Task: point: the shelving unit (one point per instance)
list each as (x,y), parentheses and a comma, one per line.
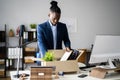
(29,51)
(11,61)
(13,52)
(3,52)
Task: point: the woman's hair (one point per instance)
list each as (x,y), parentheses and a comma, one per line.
(54,7)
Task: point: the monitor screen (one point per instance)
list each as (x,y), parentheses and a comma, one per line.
(105,47)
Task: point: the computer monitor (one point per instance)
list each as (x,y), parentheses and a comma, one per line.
(106,47)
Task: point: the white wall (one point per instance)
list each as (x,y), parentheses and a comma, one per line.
(92,16)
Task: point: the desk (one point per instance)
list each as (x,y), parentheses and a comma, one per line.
(74,76)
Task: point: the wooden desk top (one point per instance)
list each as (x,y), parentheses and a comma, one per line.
(73,76)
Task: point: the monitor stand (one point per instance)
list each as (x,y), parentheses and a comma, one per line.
(109,65)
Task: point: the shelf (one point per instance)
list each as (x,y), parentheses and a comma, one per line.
(3,52)
(2,55)
(2,36)
(2,61)
(2,49)
(11,42)
(2,65)
(12,68)
(11,64)
(2,70)
(29,36)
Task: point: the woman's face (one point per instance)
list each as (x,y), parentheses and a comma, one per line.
(54,17)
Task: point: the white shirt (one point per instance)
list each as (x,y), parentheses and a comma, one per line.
(54,31)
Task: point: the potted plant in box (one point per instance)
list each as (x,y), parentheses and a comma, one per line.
(49,56)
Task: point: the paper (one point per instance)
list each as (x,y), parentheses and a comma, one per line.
(65,56)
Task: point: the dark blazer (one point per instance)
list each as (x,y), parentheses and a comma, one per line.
(45,37)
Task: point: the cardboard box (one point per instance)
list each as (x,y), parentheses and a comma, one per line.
(30,49)
(2,72)
(65,66)
(28,59)
(2,61)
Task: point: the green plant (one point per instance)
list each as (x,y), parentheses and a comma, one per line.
(33,26)
(49,56)
(11,30)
